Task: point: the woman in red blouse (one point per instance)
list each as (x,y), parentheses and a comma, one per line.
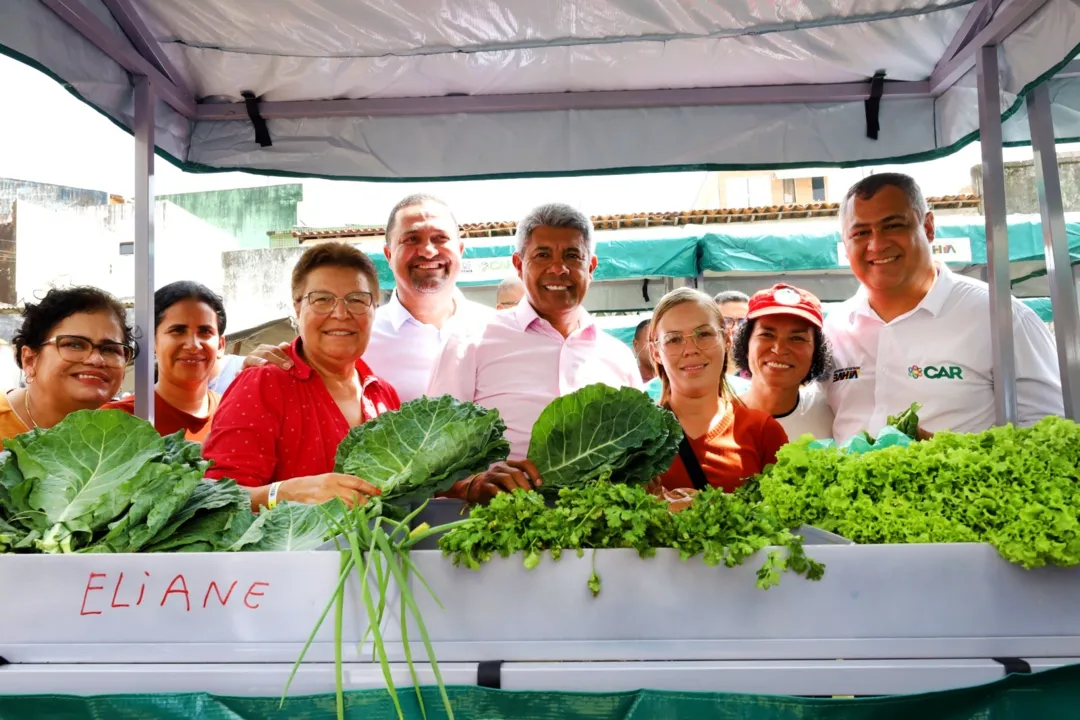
(277,430)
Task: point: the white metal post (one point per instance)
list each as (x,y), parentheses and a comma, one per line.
(144,247)
(1056,246)
(997,235)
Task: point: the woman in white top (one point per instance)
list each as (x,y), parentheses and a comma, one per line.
(782,347)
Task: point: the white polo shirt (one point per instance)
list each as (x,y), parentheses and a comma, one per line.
(938,355)
(403,350)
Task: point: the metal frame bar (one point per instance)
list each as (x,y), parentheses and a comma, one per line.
(997,235)
(540,102)
(144,246)
(974,22)
(1007,19)
(1056,244)
(75,14)
(140,36)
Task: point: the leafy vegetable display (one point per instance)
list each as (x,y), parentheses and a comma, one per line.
(602,433)
(422,449)
(1016,489)
(907,422)
(720,527)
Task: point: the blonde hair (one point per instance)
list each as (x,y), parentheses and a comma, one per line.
(681,296)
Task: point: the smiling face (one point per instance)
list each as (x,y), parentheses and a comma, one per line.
(691,370)
(88,384)
(781,350)
(556,267)
(340,338)
(424,249)
(187,343)
(887,245)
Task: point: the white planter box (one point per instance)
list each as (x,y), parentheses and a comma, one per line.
(888,601)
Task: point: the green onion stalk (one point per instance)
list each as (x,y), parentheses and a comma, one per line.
(376,548)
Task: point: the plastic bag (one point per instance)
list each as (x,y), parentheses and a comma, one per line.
(863,443)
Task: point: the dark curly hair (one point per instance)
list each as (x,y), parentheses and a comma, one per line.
(40,318)
(819,364)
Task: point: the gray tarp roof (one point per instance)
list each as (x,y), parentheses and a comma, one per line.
(412,89)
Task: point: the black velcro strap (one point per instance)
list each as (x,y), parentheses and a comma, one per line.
(3,661)
(489,674)
(873,104)
(692,465)
(645,289)
(262,133)
(1014,666)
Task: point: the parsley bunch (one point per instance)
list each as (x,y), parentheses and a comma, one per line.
(1016,489)
(719,527)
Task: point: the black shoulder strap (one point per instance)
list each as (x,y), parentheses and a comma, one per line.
(693,467)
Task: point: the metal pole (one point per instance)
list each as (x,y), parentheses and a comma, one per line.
(144,247)
(1056,246)
(997,235)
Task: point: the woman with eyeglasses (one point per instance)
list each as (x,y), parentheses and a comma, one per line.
(189,327)
(73,347)
(277,430)
(724,441)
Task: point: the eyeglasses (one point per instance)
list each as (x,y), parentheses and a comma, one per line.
(76,349)
(731,322)
(705,338)
(323,303)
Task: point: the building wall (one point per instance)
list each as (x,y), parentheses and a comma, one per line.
(12,191)
(1020,195)
(57,246)
(248,214)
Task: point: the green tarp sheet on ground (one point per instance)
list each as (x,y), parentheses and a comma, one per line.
(1049,695)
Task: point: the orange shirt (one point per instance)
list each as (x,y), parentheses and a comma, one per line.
(10,424)
(737,448)
(168,419)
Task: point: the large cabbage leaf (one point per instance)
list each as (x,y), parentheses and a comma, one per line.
(423,448)
(602,433)
(290,527)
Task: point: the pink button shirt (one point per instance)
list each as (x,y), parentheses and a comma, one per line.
(518,363)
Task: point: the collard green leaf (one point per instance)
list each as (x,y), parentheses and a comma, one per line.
(82,471)
(602,433)
(289,527)
(423,448)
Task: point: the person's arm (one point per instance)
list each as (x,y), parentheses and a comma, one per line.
(1038,379)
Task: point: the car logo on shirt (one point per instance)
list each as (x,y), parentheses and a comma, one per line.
(848,373)
(936,372)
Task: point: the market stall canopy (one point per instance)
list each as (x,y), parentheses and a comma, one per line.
(412,89)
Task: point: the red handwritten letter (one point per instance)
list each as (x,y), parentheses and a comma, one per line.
(89,587)
(251,593)
(222,600)
(116,591)
(183,589)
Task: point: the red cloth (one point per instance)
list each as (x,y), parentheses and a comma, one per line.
(276,424)
(739,447)
(168,419)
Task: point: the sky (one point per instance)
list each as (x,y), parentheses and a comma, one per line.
(51,137)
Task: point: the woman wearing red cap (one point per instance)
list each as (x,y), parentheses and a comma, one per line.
(783,349)
(724,442)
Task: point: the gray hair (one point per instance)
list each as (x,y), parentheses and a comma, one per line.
(729,296)
(509,283)
(409,201)
(869,186)
(556,215)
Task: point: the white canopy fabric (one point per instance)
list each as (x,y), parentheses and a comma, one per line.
(437,52)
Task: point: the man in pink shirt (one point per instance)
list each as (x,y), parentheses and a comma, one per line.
(545,347)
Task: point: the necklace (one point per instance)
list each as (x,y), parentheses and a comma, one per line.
(26,404)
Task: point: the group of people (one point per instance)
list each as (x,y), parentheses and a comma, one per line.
(742,375)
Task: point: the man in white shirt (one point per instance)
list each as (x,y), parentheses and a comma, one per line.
(423,247)
(916,332)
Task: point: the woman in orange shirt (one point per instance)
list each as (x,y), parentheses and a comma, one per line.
(724,442)
(73,347)
(189,332)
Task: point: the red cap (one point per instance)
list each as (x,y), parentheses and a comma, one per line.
(786,300)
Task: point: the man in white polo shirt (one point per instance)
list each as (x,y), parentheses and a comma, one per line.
(423,247)
(916,332)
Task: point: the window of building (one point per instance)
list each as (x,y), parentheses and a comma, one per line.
(127,248)
(789,191)
(817,185)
